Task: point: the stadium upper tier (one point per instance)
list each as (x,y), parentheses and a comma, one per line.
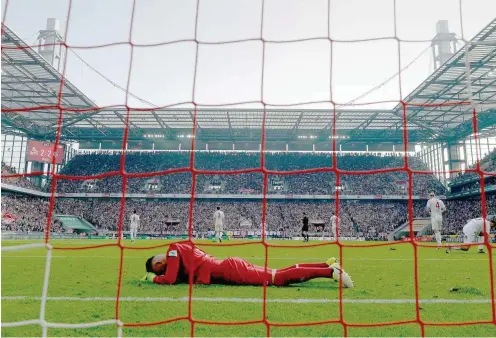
(438,109)
(322,183)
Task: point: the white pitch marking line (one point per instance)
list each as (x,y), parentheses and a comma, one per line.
(60,325)
(253,300)
(22,323)
(24,247)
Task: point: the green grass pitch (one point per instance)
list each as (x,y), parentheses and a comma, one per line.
(83,285)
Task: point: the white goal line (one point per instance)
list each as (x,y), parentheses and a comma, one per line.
(253,300)
(64,325)
(26,247)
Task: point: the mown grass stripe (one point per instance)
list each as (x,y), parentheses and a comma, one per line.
(254,300)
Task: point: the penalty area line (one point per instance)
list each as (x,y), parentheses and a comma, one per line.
(253,300)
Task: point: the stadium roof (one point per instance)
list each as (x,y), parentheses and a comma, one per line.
(448,84)
(29,81)
(30,86)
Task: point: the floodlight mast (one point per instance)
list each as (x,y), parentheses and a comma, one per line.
(49,43)
(443,44)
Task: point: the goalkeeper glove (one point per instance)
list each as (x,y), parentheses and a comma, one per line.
(149,277)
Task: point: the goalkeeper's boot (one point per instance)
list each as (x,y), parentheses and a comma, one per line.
(339,273)
(331,261)
(481,251)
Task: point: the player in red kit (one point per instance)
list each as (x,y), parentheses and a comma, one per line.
(184,259)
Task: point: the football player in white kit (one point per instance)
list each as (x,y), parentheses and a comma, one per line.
(334,221)
(135,220)
(218,224)
(472,231)
(437,210)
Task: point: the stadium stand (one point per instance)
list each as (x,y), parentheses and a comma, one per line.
(315,184)
(488,164)
(18,181)
(468,184)
(376,218)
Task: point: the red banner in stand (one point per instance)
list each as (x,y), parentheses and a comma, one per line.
(8,218)
(418,239)
(43,151)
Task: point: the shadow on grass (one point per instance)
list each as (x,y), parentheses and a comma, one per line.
(332,285)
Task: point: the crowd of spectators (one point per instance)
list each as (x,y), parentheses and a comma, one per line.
(487,164)
(171,216)
(470,182)
(25,213)
(392,183)
(18,181)
(474,186)
(356,177)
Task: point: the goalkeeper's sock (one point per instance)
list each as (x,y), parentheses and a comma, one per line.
(305,265)
(331,261)
(300,275)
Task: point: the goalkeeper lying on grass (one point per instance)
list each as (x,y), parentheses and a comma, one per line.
(184,259)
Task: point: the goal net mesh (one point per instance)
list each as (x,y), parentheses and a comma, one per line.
(264,43)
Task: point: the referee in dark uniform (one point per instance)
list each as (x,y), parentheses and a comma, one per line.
(304,229)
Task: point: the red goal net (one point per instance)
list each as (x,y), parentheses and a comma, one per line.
(262,43)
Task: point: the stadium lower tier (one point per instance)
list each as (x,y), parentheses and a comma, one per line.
(367,218)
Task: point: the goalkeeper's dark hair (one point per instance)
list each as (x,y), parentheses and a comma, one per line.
(149,264)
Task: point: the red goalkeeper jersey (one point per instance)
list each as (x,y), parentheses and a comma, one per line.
(184,259)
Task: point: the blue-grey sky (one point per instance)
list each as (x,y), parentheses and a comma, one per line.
(228,73)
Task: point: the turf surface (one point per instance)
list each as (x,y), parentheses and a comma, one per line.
(83,285)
